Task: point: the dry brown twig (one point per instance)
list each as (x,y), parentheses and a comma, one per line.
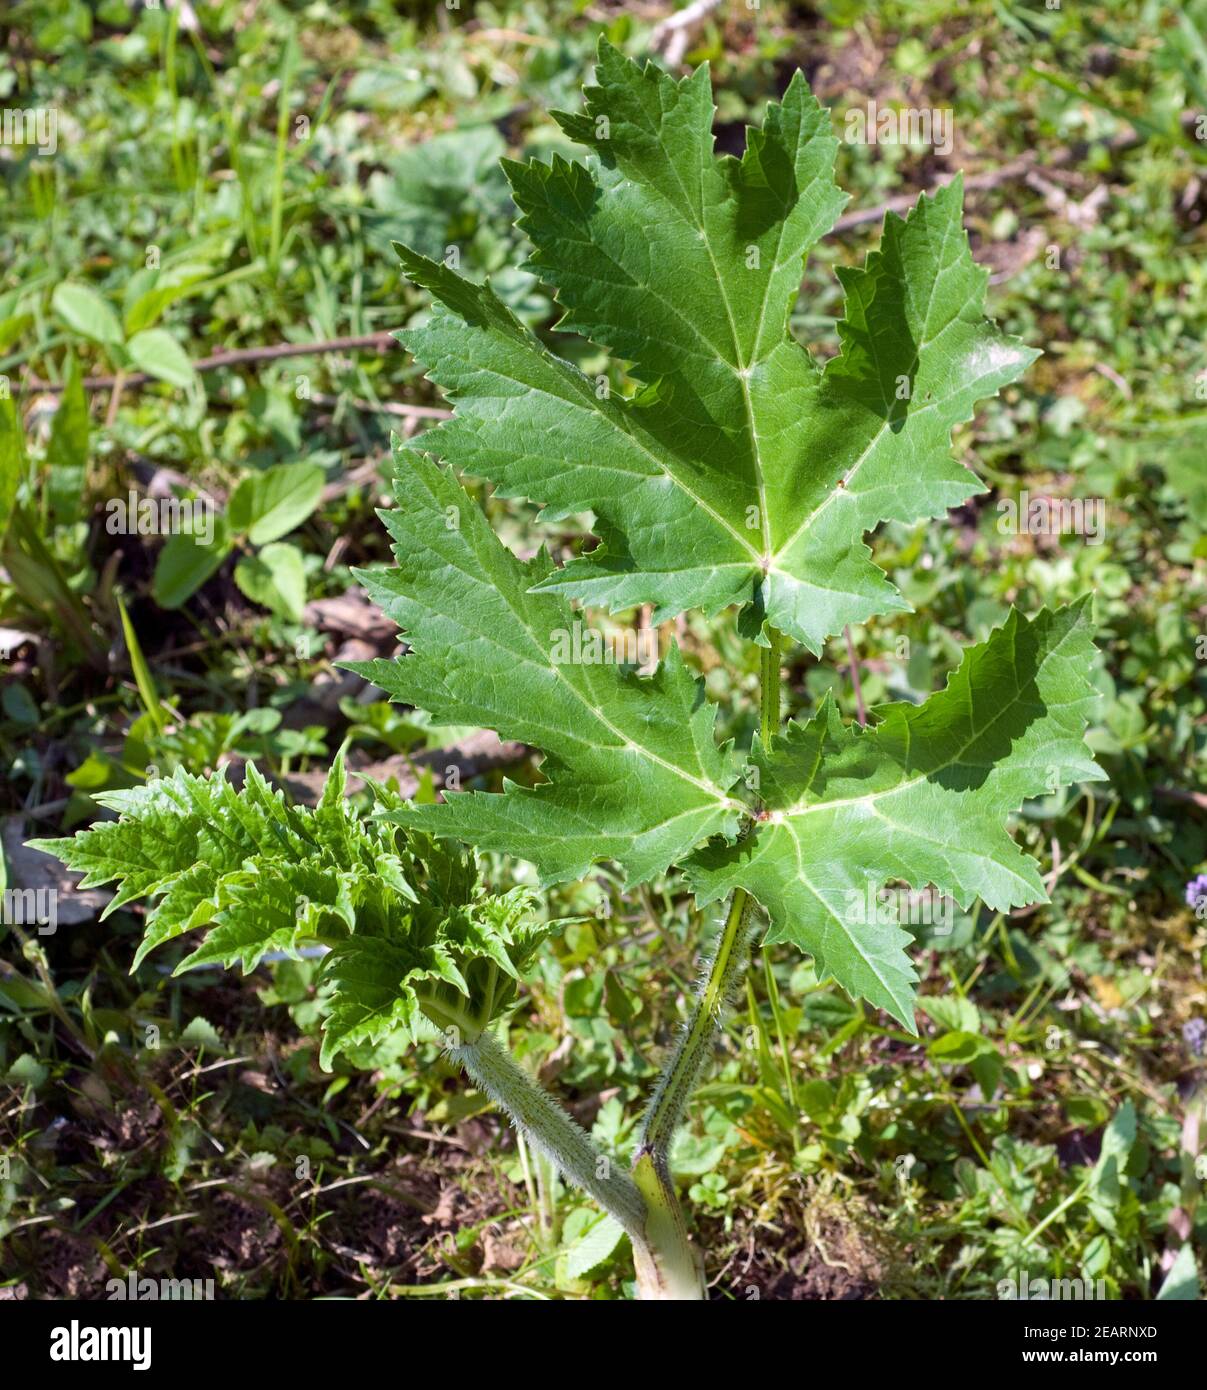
(381,342)
(673,34)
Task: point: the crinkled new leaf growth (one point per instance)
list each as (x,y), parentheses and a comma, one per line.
(744,473)
(415,938)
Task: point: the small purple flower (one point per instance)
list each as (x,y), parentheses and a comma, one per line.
(1196,889)
(1194,1035)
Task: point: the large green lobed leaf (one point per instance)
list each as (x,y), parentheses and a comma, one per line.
(744,473)
(634,773)
(921,797)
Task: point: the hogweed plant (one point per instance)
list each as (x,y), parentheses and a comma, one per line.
(739,474)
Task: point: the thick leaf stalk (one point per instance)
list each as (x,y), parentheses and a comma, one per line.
(675,1270)
(721,976)
(549,1129)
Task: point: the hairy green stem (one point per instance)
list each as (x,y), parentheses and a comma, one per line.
(769,690)
(547,1128)
(693,1049)
(668,1266)
(723,971)
(646,1204)
(674,1270)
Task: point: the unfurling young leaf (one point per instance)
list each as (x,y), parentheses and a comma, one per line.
(416,944)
